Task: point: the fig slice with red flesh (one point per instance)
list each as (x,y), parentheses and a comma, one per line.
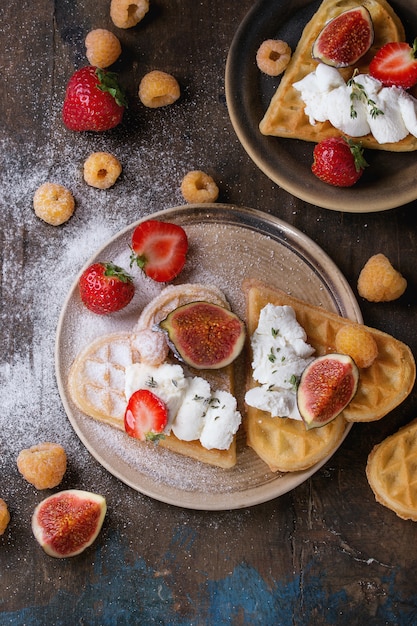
(345,39)
(66,523)
(326,387)
(204,335)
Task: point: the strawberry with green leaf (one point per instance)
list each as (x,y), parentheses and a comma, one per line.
(105,288)
(338,161)
(93,100)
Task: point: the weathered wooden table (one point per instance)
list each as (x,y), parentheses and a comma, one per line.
(324,553)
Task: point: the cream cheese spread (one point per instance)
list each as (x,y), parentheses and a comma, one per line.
(280,355)
(360,106)
(195,411)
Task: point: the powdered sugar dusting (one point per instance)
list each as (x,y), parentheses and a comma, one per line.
(40,263)
(223,251)
(39,274)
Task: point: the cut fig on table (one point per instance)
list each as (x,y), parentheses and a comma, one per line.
(345,39)
(204,335)
(68,522)
(326,387)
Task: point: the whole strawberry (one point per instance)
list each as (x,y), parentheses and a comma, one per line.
(338,161)
(105,288)
(93,100)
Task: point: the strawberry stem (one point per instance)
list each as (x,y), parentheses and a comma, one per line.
(108,82)
(137,259)
(357,152)
(154,437)
(118,272)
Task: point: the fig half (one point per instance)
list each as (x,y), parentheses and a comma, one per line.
(345,38)
(326,387)
(204,335)
(66,523)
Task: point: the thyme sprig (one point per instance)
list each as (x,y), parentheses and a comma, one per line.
(358,93)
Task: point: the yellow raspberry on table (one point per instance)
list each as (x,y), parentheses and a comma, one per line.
(53,203)
(357,342)
(379,281)
(101,170)
(197,186)
(43,465)
(128,13)
(4,516)
(102,48)
(158,89)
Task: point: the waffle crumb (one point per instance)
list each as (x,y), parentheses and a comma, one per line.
(128,13)
(357,342)
(197,186)
(379,281)
(101,170)
(273,56)
(4,516)
(53,203)
(43,465)
(158,89)
(102,47)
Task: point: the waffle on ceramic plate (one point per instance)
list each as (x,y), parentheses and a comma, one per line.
(285,444)
(285,115)
(392,472)
(174,296)
(96,379)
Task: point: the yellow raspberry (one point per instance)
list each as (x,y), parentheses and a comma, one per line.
(102,48)
(358,343)
(101,170)
(379,281)
(197,187)
(4,516)
(128,13)
(158,89)
(53,203)
(43,465)
(273,56)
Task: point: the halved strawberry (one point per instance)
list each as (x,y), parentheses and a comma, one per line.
(395,64)
(160,249)
(146,416)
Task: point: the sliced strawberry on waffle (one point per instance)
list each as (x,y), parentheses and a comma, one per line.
(395,64)
(146,416)
(159,249)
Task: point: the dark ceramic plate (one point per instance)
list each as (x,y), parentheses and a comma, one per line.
(391,179)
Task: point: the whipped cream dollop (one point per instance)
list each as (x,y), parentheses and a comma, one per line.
(280,355)
(195,411)
(360,106)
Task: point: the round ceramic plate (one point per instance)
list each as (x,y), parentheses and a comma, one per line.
(227,244)
(390,179)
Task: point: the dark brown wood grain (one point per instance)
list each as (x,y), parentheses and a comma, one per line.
(326,553)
